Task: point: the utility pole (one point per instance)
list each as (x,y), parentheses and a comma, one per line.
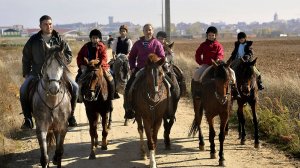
(162,15)
(168,19)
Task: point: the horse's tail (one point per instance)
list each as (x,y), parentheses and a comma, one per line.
(50,138)
(193,129)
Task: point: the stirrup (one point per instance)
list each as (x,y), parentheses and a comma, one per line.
(28,124)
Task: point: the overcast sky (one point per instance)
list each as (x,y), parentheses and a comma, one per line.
(28,12)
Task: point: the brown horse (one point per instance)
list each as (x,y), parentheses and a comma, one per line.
(151,102)
(95,93)
(215,99)
(247,86)
(51,105)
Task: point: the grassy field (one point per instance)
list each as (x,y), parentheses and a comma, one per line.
(279,104)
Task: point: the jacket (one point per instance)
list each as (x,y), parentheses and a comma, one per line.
(247,49)
(209,50)
(140,51)
(99,54)
(34,54)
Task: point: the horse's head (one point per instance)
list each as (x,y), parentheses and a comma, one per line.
(93,80)
(154,72)
(245,75)
(222,79)
(53,68)
(121,71)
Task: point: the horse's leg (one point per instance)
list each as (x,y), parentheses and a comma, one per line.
(153,143)
(212,135)
(241,118)
(105,117)
(60,137)
(141,132)
(41,136)
(126,122)
(167,129)
(223,124)
(198,109)
(93,118)
(255,122)
(110,120)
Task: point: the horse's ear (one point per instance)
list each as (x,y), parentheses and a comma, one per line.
(214,63)
(171,45)
(85,60)
(161,61)
(254,61)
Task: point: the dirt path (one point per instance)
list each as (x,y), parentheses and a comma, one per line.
(123,149)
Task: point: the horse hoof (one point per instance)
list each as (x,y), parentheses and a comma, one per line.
(54,160)
(243,142)
(201,147)
(126,123)
(222,163)
(92,157)
(213,155)
(257,145)
(103,147)
(109,127)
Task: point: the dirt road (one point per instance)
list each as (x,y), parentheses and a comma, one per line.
(123,149)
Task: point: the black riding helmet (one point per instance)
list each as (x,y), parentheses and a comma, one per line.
(96,32)
(212,29)
(241,35)
(161,34)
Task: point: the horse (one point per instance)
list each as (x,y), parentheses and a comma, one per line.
(247,86)
(120,68)
(215,99)
(51,104)
(169,66)
(150,101)
(95,98)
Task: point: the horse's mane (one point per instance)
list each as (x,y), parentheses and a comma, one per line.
(153,58)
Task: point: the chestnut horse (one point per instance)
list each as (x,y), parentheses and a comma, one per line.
(95,98)
(51,104)
(215,99)
(150,101)
(247,86)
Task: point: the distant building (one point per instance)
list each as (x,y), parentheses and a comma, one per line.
(11,33)
(275,17)
(110,20)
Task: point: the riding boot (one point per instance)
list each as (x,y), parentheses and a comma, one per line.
(235,92)
(259,83)
(112,88)
(26,110)
(195,88)
(72,121)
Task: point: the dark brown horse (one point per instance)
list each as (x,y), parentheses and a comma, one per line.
(51,105)
(150,102)
(247,86)
(95,92)
(215,99)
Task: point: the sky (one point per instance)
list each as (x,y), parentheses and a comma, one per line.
(28,12)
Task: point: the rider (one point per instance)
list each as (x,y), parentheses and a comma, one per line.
(33,60)
(146,45)
(110,41)
(123,44)
(242,48)
(209,50)
(95,49)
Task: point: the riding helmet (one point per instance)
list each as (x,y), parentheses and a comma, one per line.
(96,32)
(123,27)
(212,29)
(241,35)
(161,34)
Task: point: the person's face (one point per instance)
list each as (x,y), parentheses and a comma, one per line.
(46,26)
(95,39)
(148,32)
(161,39)
(211,36)
(123,32)
(242,40)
